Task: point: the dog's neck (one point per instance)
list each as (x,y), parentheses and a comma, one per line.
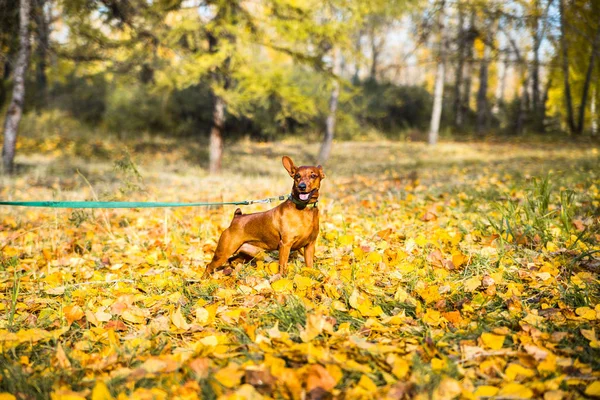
(301,205)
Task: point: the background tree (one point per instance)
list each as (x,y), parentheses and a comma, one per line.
(438,93)
(15,109)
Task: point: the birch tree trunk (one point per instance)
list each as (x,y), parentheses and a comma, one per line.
(15,109)
(327,143)
(501,87)
(216,136)
(594,115)
(215,146)
(565,67)
(438,95)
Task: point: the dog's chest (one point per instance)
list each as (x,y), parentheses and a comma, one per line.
(301,227)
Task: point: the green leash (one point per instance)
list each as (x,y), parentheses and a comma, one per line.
(129,204)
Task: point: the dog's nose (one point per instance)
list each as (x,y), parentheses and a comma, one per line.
(302,186)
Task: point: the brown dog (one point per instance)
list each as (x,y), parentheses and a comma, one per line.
(292,225)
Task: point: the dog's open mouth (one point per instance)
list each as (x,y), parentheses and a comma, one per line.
(306,196)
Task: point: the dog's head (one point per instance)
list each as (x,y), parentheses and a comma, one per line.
(307,181)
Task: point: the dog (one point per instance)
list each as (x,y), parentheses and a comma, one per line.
(292,225)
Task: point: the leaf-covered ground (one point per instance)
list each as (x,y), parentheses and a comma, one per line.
(469,270)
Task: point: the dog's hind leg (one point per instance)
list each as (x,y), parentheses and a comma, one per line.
(228,244)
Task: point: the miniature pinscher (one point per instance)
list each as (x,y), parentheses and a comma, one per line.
(292,225)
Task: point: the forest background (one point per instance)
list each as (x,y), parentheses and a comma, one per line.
(218,71)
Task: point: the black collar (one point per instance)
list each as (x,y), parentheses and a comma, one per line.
(301,204)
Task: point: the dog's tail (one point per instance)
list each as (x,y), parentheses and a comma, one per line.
(237,212)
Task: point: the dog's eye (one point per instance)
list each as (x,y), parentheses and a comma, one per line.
(314,176)
(297,176)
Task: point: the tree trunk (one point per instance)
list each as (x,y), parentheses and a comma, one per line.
(586,85)
(482,103)
(15,109)
(535,66)
(43,34)
(375,56)
(458,120)
(327,143)
(216,136)
(357,49)
(500,88)
(466,100)
(438,95)
(594,114)
(565,67)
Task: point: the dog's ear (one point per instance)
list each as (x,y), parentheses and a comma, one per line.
(288,164)
(321,171)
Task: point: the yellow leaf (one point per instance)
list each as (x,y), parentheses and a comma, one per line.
(211,340)
(154,365)
(401,367)
(61,357)
(548,365)
(229,376)
(430,294)
(202,315)
(586,313)
(367,310)
(516,390)
(346,240)
(437,364)
(367,384)
(302,282)
(432,317)
(363,304)
(247,392)
(65,394)
(486,391)
(589,334)
(73,313)
(7,396)
(179,320)
(472,284)
(273,267)
(514,371)
(282,285)
(593,389)
(101,392)
(554,395)
(56,290)
(448,389)
(374,257)
(534,320)
(102,316)
(314,326)
(492,340)
(133,316)
(401,295)
(458,259)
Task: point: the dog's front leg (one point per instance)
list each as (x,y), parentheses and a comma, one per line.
(284,255)
(309,254)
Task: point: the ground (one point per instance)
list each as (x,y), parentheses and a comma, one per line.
(465,270)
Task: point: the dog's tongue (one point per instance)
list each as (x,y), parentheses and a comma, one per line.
(304,196)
